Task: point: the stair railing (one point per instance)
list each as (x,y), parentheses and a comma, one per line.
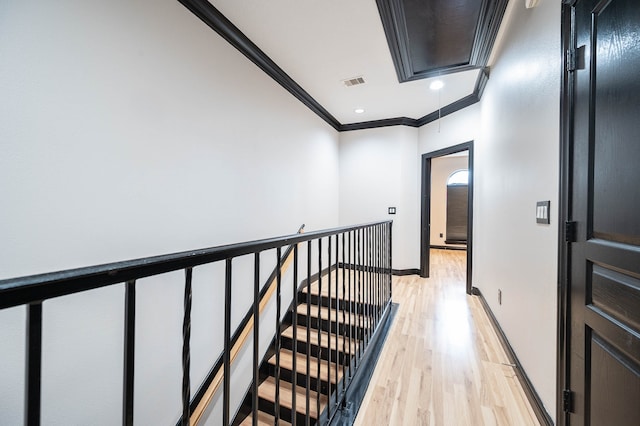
(212,383)
(372,240)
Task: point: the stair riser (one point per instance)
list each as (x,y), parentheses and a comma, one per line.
(287,343)
(285,412)
(287,375)
(356,307)
(332,327)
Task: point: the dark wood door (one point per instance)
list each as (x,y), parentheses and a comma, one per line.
(604,261)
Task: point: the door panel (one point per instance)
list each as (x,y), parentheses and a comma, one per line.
(616,85)
(617,295)
(613,373)
(604,262)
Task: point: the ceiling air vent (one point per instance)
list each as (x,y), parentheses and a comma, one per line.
(353,81)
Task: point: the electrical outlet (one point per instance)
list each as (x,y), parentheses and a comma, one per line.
(499,297)
(441,235)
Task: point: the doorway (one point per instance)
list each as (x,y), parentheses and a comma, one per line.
(426,198)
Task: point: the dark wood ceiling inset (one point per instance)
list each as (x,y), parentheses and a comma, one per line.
(441,32)
(435,37)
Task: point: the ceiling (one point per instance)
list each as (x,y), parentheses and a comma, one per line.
(318,44)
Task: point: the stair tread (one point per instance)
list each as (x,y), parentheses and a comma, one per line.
(325,337)
(355,320)
(265,419)
(286,361)
(267,390)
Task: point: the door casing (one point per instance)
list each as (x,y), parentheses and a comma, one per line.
(564,212)
(425,208)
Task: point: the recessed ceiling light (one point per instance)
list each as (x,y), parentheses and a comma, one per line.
(358,110)
(436,85)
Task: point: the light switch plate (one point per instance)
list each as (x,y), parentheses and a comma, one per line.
(542,212)
(392,210)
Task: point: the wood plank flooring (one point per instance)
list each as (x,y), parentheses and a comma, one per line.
(442,363)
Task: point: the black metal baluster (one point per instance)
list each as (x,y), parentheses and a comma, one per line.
(368,291)
(374,273)
(347,273)
(319,380)
(359,294)
(367,282)
(226,398)
(186,351)
(256,338)
(362,286)
(370,283)
(390,260)
(344,318)
(377,262)
(294,386)
(352,298)
(381,272)
(278,336)
(370,303)
(308,384)
(361,290)
(129,352)
(356,296)
(364,281)
(381,266)
(34,364)
(387,259)
(378,266)
(329,334)
(337,321)
(365,245)
(386,263)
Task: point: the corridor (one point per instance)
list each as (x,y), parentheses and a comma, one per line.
(442,363)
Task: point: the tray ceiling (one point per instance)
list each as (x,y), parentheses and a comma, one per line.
(317,45)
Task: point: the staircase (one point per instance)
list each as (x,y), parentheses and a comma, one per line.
(318,349)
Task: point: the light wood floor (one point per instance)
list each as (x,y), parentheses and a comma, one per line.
(442,363)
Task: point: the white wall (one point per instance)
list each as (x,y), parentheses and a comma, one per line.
(459,127)
(441,170)
(378,169)
(131,129)
(517,164)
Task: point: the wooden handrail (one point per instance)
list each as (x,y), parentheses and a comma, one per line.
(196,416)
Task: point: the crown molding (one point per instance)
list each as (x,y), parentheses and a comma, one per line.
(232,34)
(473,98)
(211,16)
